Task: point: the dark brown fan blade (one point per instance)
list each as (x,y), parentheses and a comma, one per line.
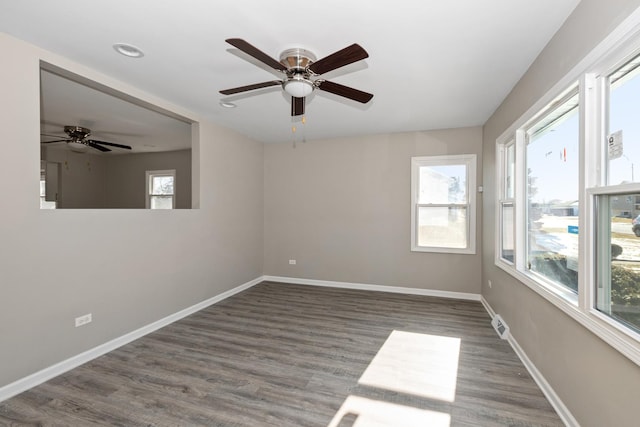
(96,146)
(256,53)
(339,59)
(346,91)
(250,87)
(57,140)
(110,144)
(297,106)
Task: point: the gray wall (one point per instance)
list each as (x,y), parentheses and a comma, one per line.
(341,208)
(598,385)
(116,181)
(127,267)
(83,178)
(126,177)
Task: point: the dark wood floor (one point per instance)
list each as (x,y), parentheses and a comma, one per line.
(288,355)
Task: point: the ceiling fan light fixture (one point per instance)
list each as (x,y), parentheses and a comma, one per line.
(128,50)
(78,147)
(298,87)
(301,69)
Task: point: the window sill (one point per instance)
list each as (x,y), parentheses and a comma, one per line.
(464,251)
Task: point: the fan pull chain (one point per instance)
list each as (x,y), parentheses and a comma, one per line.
(294,129)
(293,135)
(304,134)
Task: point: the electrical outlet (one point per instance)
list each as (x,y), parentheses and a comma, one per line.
(83,320)
(489,284)
(292,262)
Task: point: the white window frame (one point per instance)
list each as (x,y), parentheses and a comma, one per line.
(505,199)
(469,161)
(148,179)
(620,46)
(46,174)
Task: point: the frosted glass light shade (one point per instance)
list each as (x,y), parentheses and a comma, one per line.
(78,147)
(298,88)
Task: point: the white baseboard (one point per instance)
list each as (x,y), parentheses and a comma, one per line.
(378,288)
(46,374)
(563,412)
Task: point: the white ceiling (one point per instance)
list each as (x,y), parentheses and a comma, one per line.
(65,102)
(432,64)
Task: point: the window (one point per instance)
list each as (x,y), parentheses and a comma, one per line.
(506,213)
(568,199)
(48,178)
(443,203)
(552,158)
(161,189)
(538,202)
(617,291)
(44,204)
(624,126)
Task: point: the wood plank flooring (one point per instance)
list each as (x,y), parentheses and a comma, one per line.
(287,355)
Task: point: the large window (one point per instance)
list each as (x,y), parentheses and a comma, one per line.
(443,203)
(618,201)
(552,193)
(161,189)
(568,200)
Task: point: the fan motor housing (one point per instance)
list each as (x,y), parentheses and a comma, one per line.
(77,132)
(297,60)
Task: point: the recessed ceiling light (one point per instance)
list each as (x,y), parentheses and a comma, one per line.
(228,104)
(128,50)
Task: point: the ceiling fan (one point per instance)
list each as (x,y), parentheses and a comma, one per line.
(78,140)
(301,69)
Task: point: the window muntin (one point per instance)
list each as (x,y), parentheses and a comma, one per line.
(161,189)
(552,189)
(443,204)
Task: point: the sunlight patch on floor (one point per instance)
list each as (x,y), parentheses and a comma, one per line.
(374,413)
(419,364)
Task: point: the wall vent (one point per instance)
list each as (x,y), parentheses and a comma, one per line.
(500,326)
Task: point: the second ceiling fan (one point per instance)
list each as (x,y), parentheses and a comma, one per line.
(301,69)
(78,140)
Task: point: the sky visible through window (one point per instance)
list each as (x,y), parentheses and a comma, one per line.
(553,157)
(553,160)
(625,116)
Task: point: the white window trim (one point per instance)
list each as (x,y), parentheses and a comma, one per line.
(470,161)
(622,43)
(147,191)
